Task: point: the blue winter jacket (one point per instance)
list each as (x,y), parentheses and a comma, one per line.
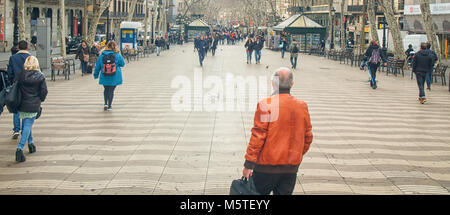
(15,65)
(109,80)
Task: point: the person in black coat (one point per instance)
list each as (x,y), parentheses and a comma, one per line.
(422,62)
(375,56)
(83,54)
(215,42)
(202,47)
(33,88)
(250,46)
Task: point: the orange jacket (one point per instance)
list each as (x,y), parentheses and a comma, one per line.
(281,135)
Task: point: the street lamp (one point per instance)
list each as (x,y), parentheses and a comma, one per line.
(384,32)
(14,49)
(153,12)
(108,33)
(333,12)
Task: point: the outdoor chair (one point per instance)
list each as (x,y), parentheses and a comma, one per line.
(59,64)
(440,71)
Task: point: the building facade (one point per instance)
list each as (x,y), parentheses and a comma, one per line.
(440,11)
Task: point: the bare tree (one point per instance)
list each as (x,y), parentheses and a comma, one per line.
(132,10)
(372,20)
(85,19)
(330,21)
(362,34)
(98,10)
(62,29)
(21,19)
(429,27)
(394,28)
(147,13)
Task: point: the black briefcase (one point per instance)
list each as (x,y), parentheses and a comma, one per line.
(243,187)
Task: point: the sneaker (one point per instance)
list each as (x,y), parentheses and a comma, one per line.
(31,148)
(15,135)
(109,109)
(422,100)
(20,157)
(105,107)
(429,88)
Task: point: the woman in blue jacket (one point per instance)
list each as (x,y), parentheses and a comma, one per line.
(110,72)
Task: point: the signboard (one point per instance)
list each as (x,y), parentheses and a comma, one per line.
(441,8)
(366,29)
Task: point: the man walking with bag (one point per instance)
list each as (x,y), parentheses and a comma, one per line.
(15,66)
(422,63)
(375,56)
(281,135)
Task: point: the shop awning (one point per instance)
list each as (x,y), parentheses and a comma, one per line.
(199,25)
(300,24)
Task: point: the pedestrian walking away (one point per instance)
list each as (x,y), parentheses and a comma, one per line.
(33,88)
(281,136)
(422,62)
(375,56)
(283,46)
(15,66)
(83,54)
(259,45)
(294,56)
(249,45)
(435,59)
(215,42)
(108,68)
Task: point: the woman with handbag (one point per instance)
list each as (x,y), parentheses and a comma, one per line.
(33,90)
(83,54)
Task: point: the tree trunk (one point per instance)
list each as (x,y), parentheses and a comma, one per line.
(429,27)
(62,27)
(21,19)
(97,13)
(330,21)
(132,10)
(85,20)
(343,39)
(372,21)
(394,28)
(362,34)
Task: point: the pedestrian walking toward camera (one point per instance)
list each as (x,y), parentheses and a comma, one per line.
(201,47)
(283,46)
(159,44)
(375,56)
(422,63)
(15,66)
(259,45)
(294,56)
(83,54)
(215,42)
(108,67)
(249,45)
(32,85)
(281,136)
(435,59)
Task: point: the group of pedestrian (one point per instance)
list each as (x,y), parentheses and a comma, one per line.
(256,45)
(24,74)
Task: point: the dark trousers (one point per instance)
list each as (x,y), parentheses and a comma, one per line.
(280,184)
(84,67)
(373,73)
(294,62)
(421,77)
(201,56)
(213,50)
(109,94)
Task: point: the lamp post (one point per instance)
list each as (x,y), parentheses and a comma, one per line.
(108,33)
(333,11)
(384,32)
(153,12)
(14,49)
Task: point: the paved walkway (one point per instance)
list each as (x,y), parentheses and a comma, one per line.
(365,141)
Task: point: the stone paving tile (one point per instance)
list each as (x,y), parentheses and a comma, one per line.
(160,151)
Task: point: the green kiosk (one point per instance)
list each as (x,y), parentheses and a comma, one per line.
(302,31)
(197,27)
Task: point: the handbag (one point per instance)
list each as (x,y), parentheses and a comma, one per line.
(14,98)
(243,187)
(3,93)
(85,58)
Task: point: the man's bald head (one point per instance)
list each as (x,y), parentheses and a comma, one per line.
(283,79)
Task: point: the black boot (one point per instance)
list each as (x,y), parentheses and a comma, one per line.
(31,148)
(20,157)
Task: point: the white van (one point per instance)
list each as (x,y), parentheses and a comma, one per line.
(415,40)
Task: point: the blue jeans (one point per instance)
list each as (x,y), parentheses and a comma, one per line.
(16,120)
(429,78)
(294,62)
(421,77)
(373,73)
(257,55)
(158,50)
(249,56)
(282,53)
(84,66)
(201,56)
(27,124)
